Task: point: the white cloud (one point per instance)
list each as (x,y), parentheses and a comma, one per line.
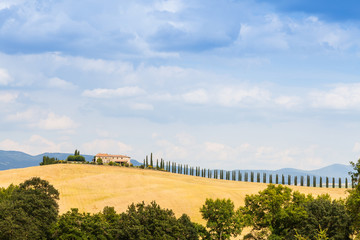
(6,97)
(60,83)
(344,96)
(141,106)
(110,93)
(54,122)
(28,115)
(5,77)
(36,144)
(106,146)
(356,147)
(287,101)
(199,96)
(233,96)
(172,6)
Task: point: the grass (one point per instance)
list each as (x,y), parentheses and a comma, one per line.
(90,188)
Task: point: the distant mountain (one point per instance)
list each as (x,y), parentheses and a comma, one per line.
(335,170)
(16,159)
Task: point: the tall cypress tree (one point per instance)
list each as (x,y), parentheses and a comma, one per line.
(157,163)
(270,179)
(282,179)
(246,176)
(327,182)
(314,181)
(147,162)
(151,160)
(264,177)
(258,177)
(320,183)
(240,176)
(333,182)
(301,180)
(277,179)
(289,180)
(308,180)
(252,176)
(295,181)
(346,183)
(339,182)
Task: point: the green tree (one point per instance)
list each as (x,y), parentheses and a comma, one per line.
(355,175)
(29,211)
(274,213)
(142,222)
(326,214)
(221,218)
(99,161)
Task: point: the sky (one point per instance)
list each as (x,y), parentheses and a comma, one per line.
(231,84)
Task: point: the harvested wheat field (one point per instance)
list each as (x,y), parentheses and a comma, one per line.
(92,187)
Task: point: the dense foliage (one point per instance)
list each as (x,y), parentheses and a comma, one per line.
(28,211)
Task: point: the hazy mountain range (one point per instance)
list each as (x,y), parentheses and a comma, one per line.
(16,159)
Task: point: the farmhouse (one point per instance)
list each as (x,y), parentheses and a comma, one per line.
(106,158)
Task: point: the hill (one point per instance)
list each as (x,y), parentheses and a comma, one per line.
(92,187)
(16,159)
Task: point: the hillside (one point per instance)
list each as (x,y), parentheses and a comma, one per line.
(91,187)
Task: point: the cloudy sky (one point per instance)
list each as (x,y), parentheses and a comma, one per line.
(232,84)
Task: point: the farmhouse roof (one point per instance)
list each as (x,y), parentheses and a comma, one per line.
(109,155)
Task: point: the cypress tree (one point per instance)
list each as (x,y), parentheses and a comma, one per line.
(308,180)
(157,163)
(333,182)
(252,176)
(314,181)
(289,180)
(339,182)
(246,177)
(144,162)
(295,181)
(151,160)
(258,177)
(302,181)
(346,183)
(320,182)
(147,162)
(270,178)
(327,182)
(264,177)
(277,179)
(282,179)
(240,176)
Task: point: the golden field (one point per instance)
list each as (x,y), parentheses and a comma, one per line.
(90,187)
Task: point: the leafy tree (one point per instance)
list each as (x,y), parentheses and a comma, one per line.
(99,161)
(355,175)
(326,214)
(274,213)
(143,222)
(28,211)
(75,225)
(222,220)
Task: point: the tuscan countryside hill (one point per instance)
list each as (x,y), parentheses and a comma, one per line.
(92,187)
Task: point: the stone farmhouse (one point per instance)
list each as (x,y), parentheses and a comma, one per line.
(106,158)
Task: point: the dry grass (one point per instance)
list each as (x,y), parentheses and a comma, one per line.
(90,188)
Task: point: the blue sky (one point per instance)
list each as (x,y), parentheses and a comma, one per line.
(230,84)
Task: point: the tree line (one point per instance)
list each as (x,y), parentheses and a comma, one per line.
(238,175)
